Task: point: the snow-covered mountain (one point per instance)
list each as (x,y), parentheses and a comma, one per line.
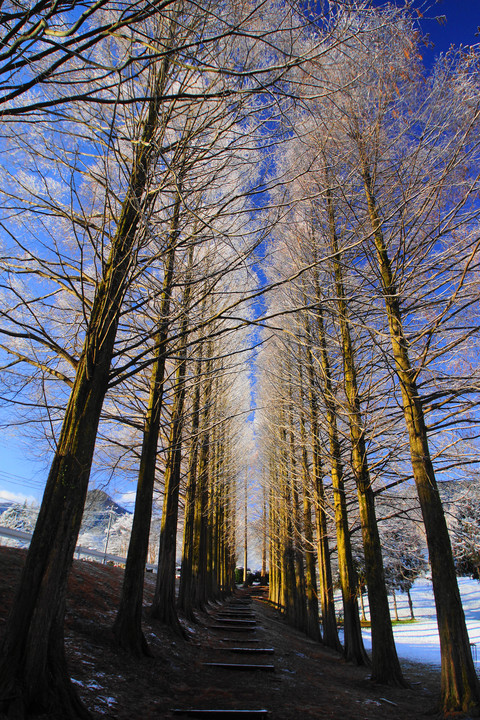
(19,516)
(100,509)
(105,524)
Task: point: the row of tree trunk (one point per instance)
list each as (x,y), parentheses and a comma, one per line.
(33,672)
(317,406)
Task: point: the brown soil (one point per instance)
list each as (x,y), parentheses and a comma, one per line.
(309,680)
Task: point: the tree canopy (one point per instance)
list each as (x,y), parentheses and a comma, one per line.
(239,257)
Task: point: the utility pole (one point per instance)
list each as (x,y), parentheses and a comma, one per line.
(110,512)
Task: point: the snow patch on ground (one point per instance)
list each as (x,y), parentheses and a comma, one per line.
(92,685)
(419,640)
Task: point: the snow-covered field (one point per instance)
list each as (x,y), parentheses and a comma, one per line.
(419,640)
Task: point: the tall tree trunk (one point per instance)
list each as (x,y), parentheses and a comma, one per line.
(395,608)
(300,591)
(199,574)
(245,532)
(231,544)
(185,594)
(212,515)
(199,561)
(460,688)
(410,605)
(313,624)
(264,538)
(274,584)
(354,650)
(33,671)
(164,601)
(163,606)
(329,622)
(385,665)
(288,586)
(127,627)
(221,525)
(362,604)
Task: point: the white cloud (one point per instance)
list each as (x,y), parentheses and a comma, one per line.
(7,496)
(127,498)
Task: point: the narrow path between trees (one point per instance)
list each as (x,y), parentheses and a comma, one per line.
(252,664)
(235,624)
(308,680)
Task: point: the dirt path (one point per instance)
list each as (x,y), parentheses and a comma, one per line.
(309,681)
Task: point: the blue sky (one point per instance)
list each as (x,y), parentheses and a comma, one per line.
(22,476)
(463,19)
(462,22)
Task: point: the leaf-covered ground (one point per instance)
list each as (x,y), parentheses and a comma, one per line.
(309,681)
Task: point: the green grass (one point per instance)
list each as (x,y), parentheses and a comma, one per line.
(367,624)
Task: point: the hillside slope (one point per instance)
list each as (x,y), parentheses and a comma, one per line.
(309,681)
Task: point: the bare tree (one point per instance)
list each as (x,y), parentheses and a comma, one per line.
(33,671)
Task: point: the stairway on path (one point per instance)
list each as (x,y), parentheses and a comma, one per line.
(236,617)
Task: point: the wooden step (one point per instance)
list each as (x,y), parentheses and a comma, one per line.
(238,606)
(235,614)
(239,666)
(243,607)
(232,628)
(221,713)
(245,650)
(251,651)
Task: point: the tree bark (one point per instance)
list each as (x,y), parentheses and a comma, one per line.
(274,584)
(185,589)
(313,624)
(199,560)
(410,605)
(245,533)
(127,628)
(329,622)
(362,604)
(300,594)
(385,665)
(212,589)
(33,673)
(263,578)
(164,601)
(353,650)
(288,585)
(460,688)
(311,588)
